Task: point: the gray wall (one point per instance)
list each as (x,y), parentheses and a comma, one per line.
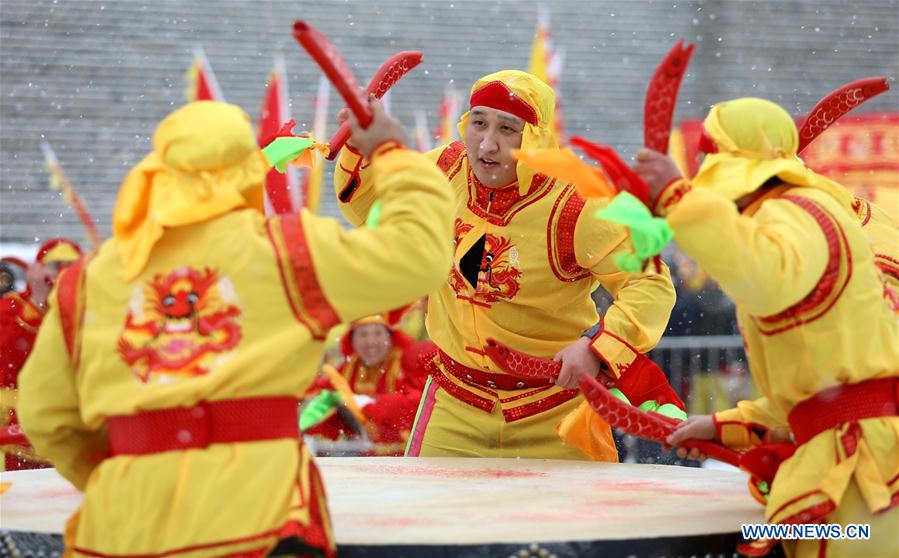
(94,77)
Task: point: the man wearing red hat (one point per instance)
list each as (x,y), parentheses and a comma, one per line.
(527,254)
(385,379)
(20,317)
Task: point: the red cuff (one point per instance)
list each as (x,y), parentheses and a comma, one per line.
(669,196)
(385,147)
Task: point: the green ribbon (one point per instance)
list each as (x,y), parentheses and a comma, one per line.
(374,215)
(285,149)
(318,409)
(668,409)
(672,411)
(649,235)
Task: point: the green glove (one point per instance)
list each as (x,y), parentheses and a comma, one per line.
(649,235)
(317,410)
(285,149)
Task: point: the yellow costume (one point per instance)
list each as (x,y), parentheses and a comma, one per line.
(202,309)
(525,259)
(815,314)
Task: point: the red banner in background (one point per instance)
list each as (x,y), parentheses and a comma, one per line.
(860,152)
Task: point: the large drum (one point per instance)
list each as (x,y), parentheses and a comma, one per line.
(430,507)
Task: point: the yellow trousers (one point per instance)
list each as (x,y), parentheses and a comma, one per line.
(448,427)
(884,539)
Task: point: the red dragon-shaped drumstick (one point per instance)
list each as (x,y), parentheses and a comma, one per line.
(388,74)
(661,98)
(836,104)
(325,54)
(621,415)
(649,426)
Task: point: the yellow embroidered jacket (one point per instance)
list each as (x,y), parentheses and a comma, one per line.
(815,313)
(264,294)
(524,265)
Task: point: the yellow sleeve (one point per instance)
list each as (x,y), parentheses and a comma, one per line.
(353,186)
(748,424)
(766,262)
(883,233)
(642,301)
(49,405)
(405,257)
(353,179)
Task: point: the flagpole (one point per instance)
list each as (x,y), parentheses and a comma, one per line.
(59,180)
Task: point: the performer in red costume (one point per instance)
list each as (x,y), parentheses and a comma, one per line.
(383,373)
(20,317)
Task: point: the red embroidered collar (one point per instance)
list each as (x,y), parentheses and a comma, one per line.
(498,205)
(493,201)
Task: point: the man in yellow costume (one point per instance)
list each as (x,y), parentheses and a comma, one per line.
(165,378)
(820,323)
(527,254)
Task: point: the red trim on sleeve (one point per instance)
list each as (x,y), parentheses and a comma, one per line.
(313,298)
(68,294)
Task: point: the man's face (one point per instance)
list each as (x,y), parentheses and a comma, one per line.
(372,342)
(490,137)
(6,281)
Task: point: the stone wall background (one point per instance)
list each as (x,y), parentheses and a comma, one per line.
(93,77)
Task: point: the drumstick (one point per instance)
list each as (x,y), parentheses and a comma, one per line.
(837,104)
(325,54)
(346,392)
(649,426)
(388,74)
(524,365)
(661,96)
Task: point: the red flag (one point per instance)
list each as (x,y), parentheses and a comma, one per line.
(202,85)
(282,191)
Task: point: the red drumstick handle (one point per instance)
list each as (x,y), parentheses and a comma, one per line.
(714,450)
(388,74)
(325,54)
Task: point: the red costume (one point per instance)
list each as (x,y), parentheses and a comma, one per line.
(20,319)
(391,389)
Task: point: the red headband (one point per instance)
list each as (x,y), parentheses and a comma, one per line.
(497,95)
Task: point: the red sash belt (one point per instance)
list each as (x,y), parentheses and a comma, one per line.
(217,422)
(489,380)
(832,407)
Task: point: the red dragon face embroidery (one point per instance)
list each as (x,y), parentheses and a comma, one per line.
(498,274)
(179,325)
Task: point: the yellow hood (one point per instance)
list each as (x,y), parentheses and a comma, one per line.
(757,140)
(205,162)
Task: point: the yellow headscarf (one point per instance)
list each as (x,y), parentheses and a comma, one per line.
(757,140)
(205,162)
(540,97)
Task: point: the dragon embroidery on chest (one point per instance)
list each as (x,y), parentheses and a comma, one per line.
(491,266)
(180,325)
